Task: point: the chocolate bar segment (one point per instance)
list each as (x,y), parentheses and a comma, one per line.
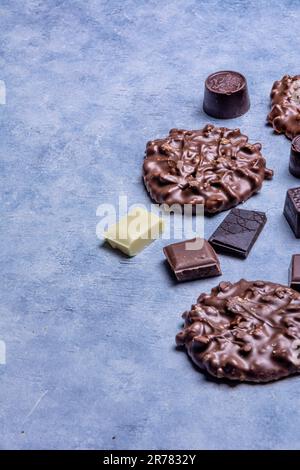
(291,210)
(226,95)
(134,231)
(294,273)
(192,259)
(238,232)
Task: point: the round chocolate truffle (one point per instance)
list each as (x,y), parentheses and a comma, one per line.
(226,95)
(295,157)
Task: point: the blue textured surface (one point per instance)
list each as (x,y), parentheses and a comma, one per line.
(89,334)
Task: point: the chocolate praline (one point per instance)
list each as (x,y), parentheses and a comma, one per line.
(291,210)
(226,95)
(295,157)
(294,273)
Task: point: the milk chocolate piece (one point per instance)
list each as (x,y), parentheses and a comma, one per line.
(292,210)
(214,166)
(134,231)
(247,331)
(285,111)
(192,259)
(226,95)
(238,232)
(295,157)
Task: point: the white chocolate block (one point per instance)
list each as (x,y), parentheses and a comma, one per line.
(134,231)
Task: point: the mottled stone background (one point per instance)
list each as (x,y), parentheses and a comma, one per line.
(89,334)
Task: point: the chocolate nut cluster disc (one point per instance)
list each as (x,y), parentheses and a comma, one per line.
(214,166)
(247,331)
(285,112)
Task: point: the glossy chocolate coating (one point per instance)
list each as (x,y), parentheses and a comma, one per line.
(291,210)
(213,166)
(226,95)
(295,157)
(294,273)
(247,331)
(238,232)
(188,263)
(285,111)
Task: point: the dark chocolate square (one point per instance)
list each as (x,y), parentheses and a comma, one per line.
(292,210)
(238,232)
(294,273)
(192,259)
